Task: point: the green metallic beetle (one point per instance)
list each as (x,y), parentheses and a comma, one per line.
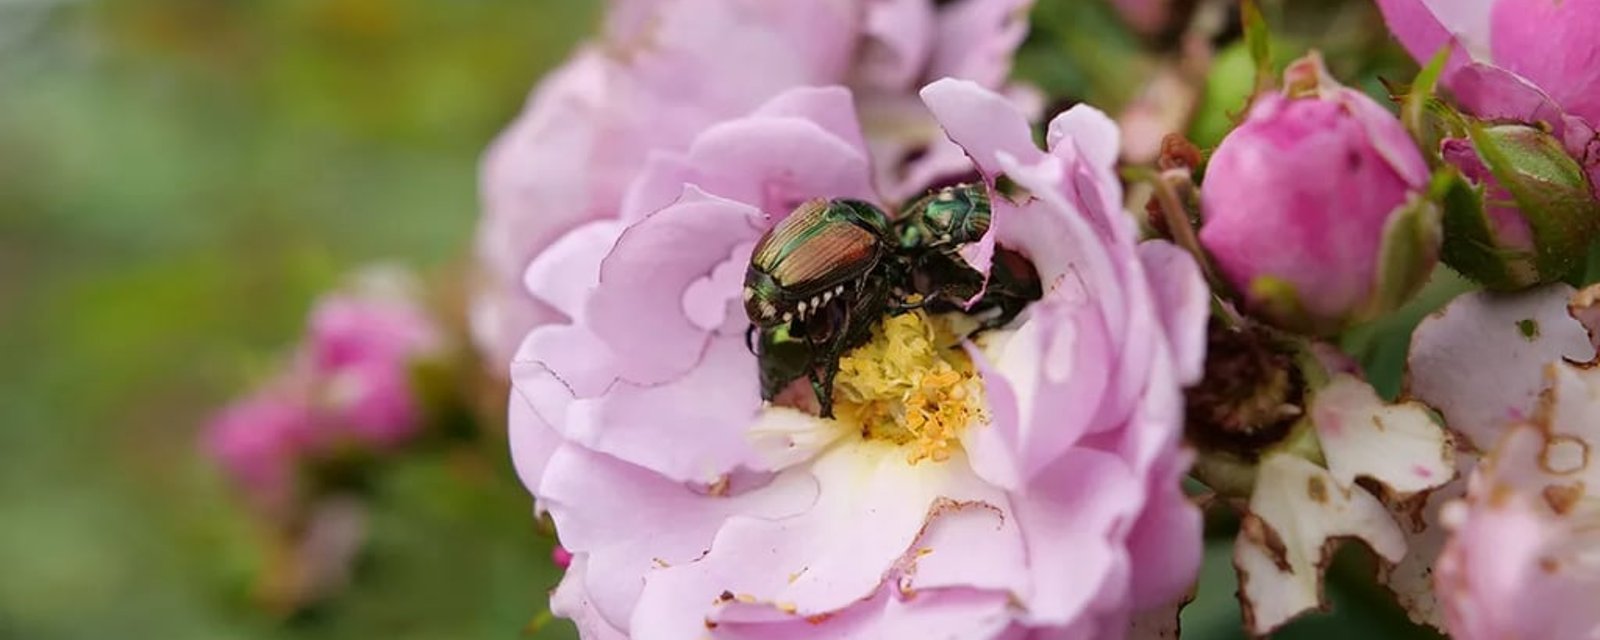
(821,278)
(945,219)
(817,281)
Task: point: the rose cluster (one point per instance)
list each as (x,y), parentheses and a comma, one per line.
(820,321)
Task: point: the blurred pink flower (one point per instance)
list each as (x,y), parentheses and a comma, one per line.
(1299,199)
(663,71)
(1520,561)
(1534,61)
(348,384)
(361,345)
(1040,492)
(259,439)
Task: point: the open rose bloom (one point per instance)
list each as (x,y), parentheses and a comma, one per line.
(1016,482)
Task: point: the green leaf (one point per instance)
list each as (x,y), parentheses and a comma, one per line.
(1259,39)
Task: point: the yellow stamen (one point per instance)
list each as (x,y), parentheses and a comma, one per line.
(912,385)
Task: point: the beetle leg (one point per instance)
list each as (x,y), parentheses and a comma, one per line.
(901,307)
(822,386)
(750,340)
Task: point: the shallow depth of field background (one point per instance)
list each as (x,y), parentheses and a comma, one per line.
(179,178)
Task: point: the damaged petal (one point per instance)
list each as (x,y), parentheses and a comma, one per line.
(1398,445)
(1281,556)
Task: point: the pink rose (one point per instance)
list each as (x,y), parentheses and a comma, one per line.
(1026,479)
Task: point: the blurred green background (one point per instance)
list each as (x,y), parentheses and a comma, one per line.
(178,180)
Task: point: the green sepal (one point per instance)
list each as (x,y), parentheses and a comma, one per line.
(1420,108)
(1470,246)
(1407,255)
(1548,186)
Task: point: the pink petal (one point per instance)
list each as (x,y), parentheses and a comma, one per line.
(803,144)
(691,429)
(1184,302)
(1165,542)
(1397,445)
(1552,44)
(1494,93)
(976,40)
(547,173)
(1069,516)
(951,614)
(1419,28)
(1412,578)
(872,507)
(563,274)
(1089,137)
(1298,508)
(778,163)
(983,122)
(638,306)
(897,43)
(630,522)
(570,600)
(995,449)
(832,108)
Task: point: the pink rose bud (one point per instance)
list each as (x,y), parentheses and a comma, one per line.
(1530,215)
(1314,207)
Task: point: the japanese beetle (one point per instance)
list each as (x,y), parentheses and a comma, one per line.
(817,279)
(944,219)
(931,231)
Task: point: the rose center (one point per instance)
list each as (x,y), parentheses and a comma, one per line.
(911,385)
